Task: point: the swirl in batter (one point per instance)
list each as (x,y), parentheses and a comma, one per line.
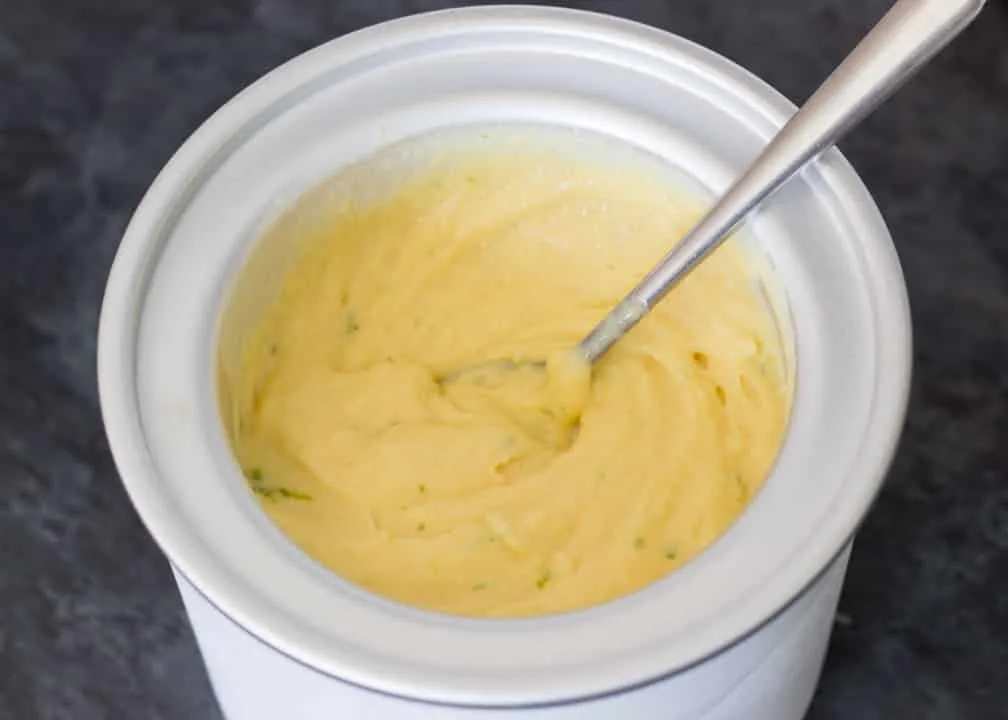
(498,493)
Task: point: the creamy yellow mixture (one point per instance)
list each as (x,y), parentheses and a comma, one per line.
(492,491)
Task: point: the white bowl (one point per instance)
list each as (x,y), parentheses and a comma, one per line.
(741,631)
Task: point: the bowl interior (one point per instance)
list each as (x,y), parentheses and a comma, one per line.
(283,238)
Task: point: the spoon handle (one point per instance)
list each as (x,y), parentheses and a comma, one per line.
(910,34)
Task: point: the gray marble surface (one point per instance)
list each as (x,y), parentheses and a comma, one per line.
(96,94)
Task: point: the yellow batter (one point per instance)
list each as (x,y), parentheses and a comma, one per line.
(492,492)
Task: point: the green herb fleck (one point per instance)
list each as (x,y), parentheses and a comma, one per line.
(480,586)
(273,349)
(671,554)
(256,476)
(293,494)
(350,323)
(639,543)
(421,526)
(543,579)
(423,488)
(701,360)
(720,392)
(741,487)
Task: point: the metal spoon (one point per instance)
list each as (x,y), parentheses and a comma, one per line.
(910,34)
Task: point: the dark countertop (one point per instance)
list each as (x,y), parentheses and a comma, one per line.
(96,94)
